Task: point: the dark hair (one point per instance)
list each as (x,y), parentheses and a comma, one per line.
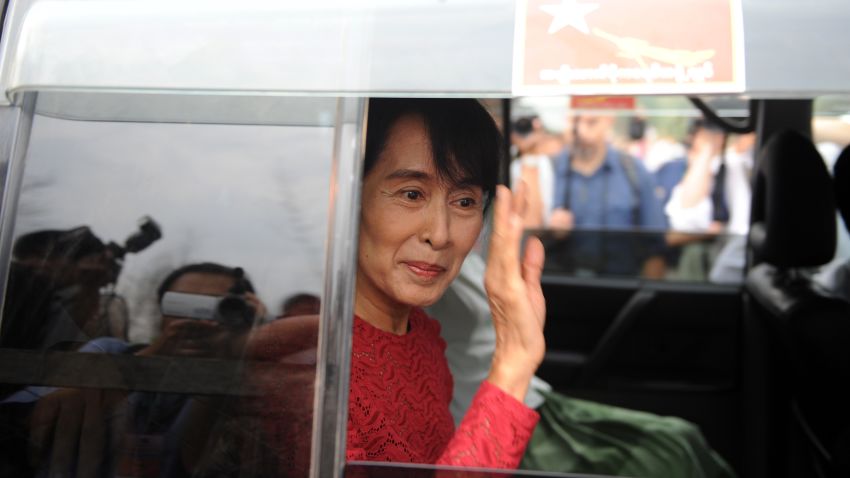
(465,142)
(706,124)
(637,128)
(236,273)
(523,126)
(298,299)
(73,244)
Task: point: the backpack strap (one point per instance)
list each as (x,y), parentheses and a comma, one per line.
(630,167)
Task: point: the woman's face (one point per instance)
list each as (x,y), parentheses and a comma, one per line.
(415,229)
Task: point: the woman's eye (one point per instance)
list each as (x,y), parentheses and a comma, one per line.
(466,203)
(412,195)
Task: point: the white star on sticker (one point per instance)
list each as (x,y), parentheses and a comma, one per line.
(569,13)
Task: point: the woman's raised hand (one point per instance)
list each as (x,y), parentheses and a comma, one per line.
(515,295)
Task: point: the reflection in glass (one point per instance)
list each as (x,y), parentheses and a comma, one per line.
(61,287)
(164,354)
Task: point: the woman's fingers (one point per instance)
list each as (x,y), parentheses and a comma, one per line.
(504,243)
(504,262)
(532,269)
(532,261)
(520,199)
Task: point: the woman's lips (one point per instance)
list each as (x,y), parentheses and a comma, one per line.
(424,269)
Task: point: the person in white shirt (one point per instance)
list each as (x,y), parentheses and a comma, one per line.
(714,196)
(699,203)
(535,148)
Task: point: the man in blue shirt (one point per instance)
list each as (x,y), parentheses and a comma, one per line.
(598,187)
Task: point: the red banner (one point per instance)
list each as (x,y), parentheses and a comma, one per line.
(621,47)
(602,102)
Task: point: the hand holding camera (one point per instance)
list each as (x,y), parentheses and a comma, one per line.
(205,325)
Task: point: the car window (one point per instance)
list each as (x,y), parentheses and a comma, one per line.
(164,281)
(635,186)
(831,130)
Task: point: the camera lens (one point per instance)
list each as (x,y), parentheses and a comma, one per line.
(235,311)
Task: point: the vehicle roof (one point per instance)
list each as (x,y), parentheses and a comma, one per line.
(359,48)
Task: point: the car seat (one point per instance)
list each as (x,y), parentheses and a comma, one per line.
(793,230)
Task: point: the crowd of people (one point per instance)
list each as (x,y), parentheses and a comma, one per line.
(687,190)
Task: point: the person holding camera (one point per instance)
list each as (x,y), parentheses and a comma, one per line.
(54,286)
(202,306)
(83,432)
(60,292)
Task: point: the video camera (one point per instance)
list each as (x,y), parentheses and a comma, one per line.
(148,233)
(231,310)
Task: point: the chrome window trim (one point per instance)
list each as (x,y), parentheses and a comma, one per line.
(330,409)
(15,127)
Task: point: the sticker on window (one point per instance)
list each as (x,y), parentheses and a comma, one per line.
(618,47)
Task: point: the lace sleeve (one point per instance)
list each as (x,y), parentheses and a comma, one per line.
(494,432)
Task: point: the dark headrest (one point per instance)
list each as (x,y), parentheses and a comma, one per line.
(793,204)
(841,185)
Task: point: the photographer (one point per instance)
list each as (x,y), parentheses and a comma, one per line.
(204,327)
(54,290)
(150,434)
(61,283)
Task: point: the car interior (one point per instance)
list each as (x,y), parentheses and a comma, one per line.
(757,366)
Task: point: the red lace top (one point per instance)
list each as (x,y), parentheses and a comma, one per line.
(399,404)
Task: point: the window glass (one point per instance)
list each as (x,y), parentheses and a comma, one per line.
(831,126)
(635,186)
(831,130)
(161,309)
